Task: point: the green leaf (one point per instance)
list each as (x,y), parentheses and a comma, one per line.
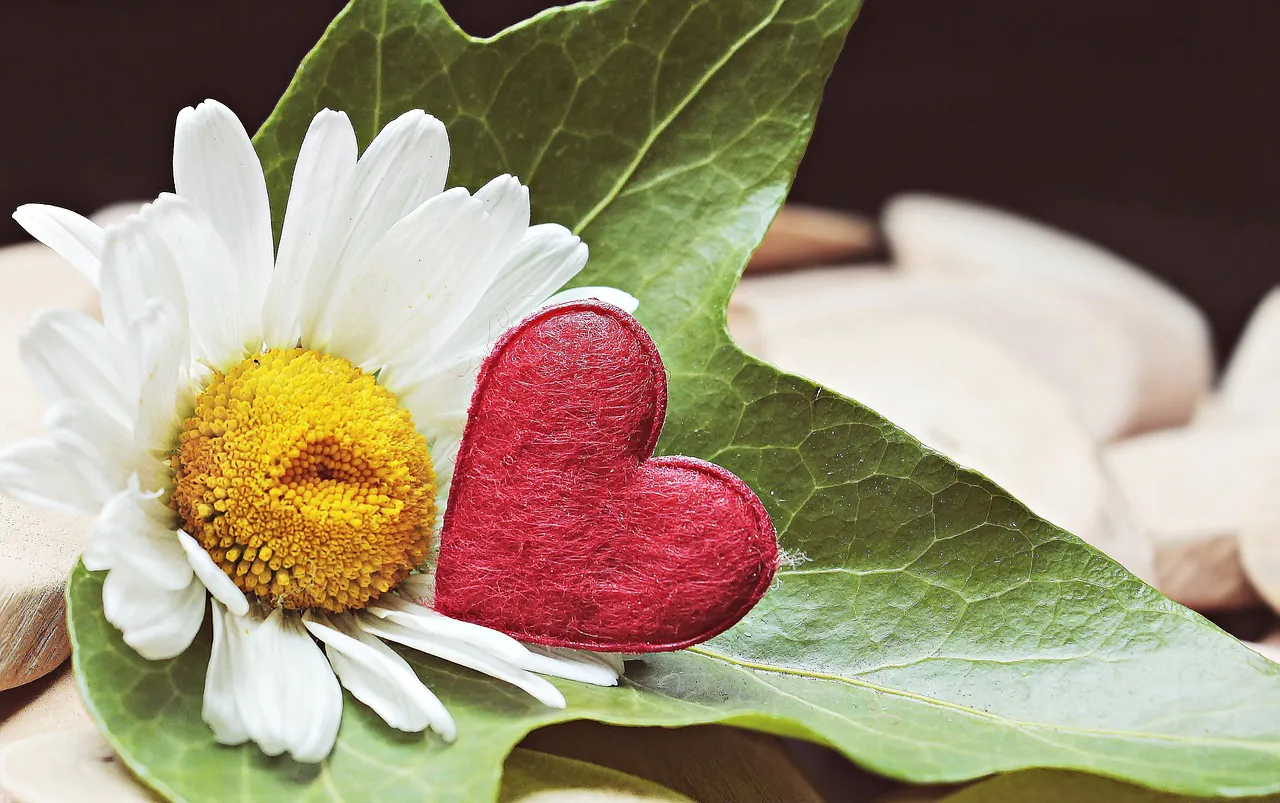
(151,711)
(934,631)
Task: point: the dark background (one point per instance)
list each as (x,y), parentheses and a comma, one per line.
(1147,125)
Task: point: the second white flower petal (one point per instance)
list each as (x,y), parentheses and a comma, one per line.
(221,587)
(221,327)
(160,395)
(403,167)
(378,677)
(69,355)
(269,683)
(466,655)
(157,622)
(417,267)
(136,529)
(609,295)
(73,237)
(306,700)
(216,168)
(325,163)
(548,256)
(35,472)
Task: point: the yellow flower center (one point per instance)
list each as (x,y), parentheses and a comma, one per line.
(306,481)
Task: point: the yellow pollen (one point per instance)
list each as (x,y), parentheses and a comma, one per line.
(306,481)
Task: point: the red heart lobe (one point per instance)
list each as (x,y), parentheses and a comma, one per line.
(562,528)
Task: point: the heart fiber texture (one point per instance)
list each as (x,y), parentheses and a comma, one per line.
(562,529)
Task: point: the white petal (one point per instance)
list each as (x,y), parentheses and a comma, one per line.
(451,289)
(161,397)
(221,709)
(136,529)
(35,473)
(610,659)
(403,610)
(433,624)
(137,268)
(292,701)
(404,166)
(507,202)
(419,589)
(216,168)
(609,295)
(70,356)
(157,622)
(98,449)
(215,285)
(378,677)
(255,667)
(221,587)
(579,665)
(419,266)
(465,655)
(325,162)
(548,256)
(438,395)
(73,237)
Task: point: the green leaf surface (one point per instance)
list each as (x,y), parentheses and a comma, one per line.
(150,710)
(934,630)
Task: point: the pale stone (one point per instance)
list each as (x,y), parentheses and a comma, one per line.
(1090,360)
(67,766)
(1260,547)
(1118,535)
(966,396)
(1265,649)
(45,706)
(1249,393)
(744,326)
(1195,483)
(943,236)
(1206,574)
(806,235)
(1260,559)
(1210,412)
(1199,495)
(39,550)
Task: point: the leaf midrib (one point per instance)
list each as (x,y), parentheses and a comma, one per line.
(1268,747)
(384,13)
(675,112)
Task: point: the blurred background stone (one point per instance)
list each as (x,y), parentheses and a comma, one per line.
(37,551)
(67,766)
(805,235)
(932,235)
(47,705)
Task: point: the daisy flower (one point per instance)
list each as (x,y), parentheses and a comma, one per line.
(275,430)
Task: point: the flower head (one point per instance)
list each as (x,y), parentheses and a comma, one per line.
(274,430)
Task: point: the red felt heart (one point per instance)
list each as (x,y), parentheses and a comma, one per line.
(563,529)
